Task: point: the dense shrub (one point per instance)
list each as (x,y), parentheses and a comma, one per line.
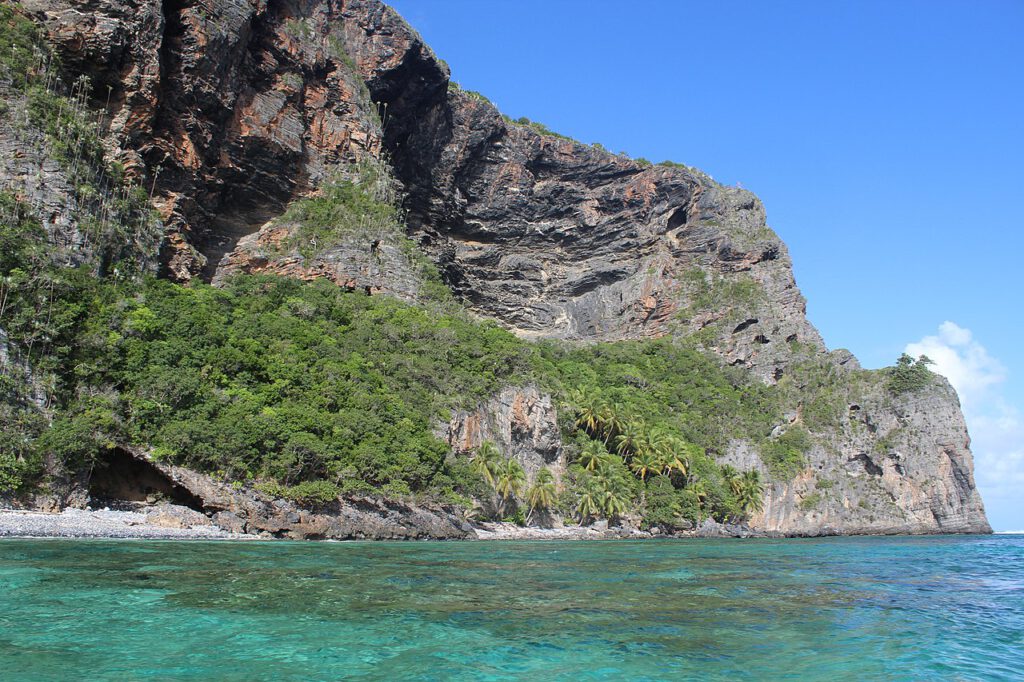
(909,375)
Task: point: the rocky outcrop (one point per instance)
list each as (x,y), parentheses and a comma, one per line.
(227,110)
(245,510)
(522,422)
(372,262)
(559,239)
(904,466)
(231,109)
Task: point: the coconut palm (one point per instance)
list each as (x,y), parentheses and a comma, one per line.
(588,406)
(676,456)
(593,456)
(751,494)
(613,419)
(613,503)
(631,434)
(509,480)
(486,461)
(542,494)
(732,479)
(646,462)
(587,504)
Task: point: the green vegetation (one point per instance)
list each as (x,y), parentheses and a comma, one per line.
(472,94)
(310,391)
(504,476)
(539,127)
(114,219)
(784,455)
(909,375)
(645,419)
(364,205)
(810,502)
(543,495)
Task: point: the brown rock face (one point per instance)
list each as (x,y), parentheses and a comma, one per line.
(229,109)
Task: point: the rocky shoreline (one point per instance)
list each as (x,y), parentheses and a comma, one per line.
(175,522)
(156,524)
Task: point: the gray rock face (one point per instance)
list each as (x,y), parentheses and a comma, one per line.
(521,422)
(374,263)
(558,239)
(899,465)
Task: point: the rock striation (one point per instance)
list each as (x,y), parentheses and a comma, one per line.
(228,110)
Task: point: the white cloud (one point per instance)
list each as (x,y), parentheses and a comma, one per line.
(961,359)
(996,427)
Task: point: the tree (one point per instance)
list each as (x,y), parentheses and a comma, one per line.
(543,492)
(700,490)
(751,491)
(613,419)
(646,462)
(613,503)
(631,434)
(732,479)
(909,374)
(587,505)
(486,461)
(677,456)
(593,456)
(509,480)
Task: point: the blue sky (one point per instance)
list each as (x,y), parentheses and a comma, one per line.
(885,139)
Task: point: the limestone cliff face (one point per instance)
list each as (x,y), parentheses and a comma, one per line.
(897,465)
(230,109)
(522,422)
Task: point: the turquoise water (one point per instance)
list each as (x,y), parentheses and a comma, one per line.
(839,608)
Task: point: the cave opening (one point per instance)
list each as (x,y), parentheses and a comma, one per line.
(678,218)
(119,478)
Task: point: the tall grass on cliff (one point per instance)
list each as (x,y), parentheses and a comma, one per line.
(116,227)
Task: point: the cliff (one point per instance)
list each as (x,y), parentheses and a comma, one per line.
(229,112)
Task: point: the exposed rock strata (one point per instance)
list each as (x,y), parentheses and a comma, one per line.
(244,510)
(230,109)
(522,422)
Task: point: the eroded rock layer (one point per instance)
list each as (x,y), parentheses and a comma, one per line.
(227,110)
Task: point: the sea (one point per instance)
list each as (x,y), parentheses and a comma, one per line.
(860,608)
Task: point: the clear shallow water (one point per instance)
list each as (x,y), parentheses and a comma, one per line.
(837,608)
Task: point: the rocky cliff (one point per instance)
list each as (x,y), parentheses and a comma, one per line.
(227,111)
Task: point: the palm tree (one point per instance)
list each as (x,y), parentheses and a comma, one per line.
(509,480)
(542,494)
(486,461)
(613,503)
(593,456)
(587,505)
(677,456)
(700,490)
(587,404)
(631,434)
(732,478)
(613,418)
(645,462)
(751,494)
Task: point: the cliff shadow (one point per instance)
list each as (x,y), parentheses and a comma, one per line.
(119,477)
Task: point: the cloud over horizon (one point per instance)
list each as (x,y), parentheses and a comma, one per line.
(962,360)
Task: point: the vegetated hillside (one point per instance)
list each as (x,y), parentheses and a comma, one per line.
(411,294)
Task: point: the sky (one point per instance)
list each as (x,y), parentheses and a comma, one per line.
(885,139)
